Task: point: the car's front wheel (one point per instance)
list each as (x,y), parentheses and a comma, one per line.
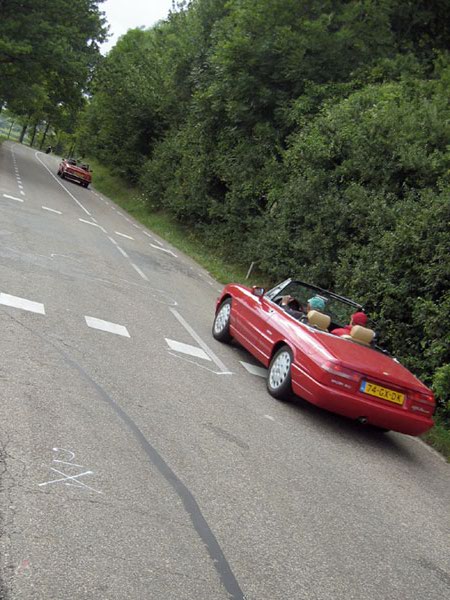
(279,375)
(221,325)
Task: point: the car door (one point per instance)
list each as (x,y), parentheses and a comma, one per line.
(255,313)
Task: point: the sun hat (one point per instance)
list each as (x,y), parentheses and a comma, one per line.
(316,303)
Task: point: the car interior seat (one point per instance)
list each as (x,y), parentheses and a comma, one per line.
(319,320)
(360,335)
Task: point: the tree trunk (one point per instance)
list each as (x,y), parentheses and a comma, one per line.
(10,129)
(45,135)
(33,135)
(23,132)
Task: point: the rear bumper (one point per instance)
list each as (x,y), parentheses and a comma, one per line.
(76,178)
(378,413)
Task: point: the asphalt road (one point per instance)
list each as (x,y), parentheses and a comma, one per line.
(142,460)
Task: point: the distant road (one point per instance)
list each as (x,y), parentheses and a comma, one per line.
(141,459)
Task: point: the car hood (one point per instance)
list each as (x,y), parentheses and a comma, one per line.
(369,362)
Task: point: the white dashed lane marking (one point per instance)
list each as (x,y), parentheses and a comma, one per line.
(12,198)
(107,326)
(124,235)
(164,250)
(254,369)
(187,349)
(138,270)
(22,303)
(122,252)
(58,212)
(22,192)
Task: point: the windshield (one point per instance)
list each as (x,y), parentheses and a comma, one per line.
(340,309)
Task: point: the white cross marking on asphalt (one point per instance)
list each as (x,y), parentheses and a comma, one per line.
(107,326)
(187,349)
(65,478)
(22,303)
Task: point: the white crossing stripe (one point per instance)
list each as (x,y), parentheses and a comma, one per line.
(22,303)
(58,212)
(124,235)
(254,369)
(187,349)
(200,342)
(93,224)
(164,250)
(107,326)
(12,197)
(22,192)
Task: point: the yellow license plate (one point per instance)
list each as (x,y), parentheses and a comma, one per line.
(381,392)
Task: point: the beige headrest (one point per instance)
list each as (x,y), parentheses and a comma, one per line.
(319,320)
(362,335)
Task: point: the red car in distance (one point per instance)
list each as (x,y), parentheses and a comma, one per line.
(69,168)
(349,375)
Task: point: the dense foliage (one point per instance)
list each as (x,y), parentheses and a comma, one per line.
(48,51)
(312,137)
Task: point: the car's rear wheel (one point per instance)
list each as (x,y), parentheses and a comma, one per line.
(63,175)
(221,325)
(279,375)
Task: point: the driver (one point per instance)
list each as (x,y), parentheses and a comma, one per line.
(357,318)
(292,306)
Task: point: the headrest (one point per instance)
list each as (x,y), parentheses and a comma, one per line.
(319,320)
(362,335)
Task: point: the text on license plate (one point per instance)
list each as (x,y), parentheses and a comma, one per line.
(381,392)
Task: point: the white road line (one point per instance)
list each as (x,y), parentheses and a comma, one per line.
(137,226)
(187,349)
(158,242)
(124,235)
(122,252)
(22,192)
(113,241)
(164,250)
(148,235)
(254,369)
(269,417)
(138,270)
(61,184)
(22,303)
(107,326)
(93,224)
(20,186)
(200,342)
(58,212)
(12,198)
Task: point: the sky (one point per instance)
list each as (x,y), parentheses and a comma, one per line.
(128,14)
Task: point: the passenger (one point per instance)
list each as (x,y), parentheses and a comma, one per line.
(315,303)
(357,318)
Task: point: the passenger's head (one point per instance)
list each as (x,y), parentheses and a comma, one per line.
(316,303)
(359,318)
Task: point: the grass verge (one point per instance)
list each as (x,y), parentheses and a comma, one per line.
(183,238)
(439,438)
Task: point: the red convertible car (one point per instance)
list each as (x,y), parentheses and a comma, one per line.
(349,375)
(69,168)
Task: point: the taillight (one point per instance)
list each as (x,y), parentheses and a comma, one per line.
(340,376)
(422,403)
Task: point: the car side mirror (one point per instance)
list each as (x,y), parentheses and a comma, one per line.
(258,291)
